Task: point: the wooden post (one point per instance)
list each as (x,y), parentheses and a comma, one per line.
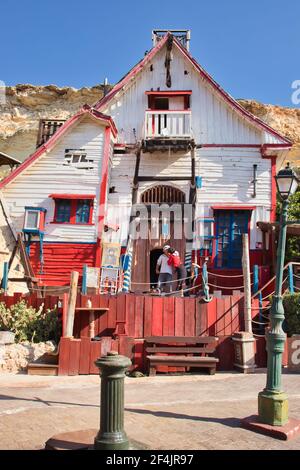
(72,303)
(247,284)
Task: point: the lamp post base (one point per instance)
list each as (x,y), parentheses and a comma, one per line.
(273,408)
(286,432)
(111,441)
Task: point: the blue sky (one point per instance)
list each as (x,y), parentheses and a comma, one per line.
(250,47)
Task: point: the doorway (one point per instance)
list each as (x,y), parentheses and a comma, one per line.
(154,255)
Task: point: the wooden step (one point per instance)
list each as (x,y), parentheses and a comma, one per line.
(42,369)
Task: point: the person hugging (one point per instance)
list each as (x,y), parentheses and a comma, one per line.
(175,262)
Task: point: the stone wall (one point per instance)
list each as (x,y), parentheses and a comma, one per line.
(15,357)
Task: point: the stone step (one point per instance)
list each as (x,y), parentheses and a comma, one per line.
(42,369)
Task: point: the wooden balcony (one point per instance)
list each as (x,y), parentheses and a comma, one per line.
(167,129)
(164,124)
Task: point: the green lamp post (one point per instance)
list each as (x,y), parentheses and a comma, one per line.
(272,401)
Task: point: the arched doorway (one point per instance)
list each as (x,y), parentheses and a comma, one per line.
(165,226)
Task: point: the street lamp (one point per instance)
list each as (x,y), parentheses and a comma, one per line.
(272,401)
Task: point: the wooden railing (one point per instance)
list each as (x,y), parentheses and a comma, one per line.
(175,124)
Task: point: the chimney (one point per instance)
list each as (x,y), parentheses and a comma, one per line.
(182,35)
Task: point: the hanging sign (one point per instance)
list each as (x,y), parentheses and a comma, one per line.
(111,255)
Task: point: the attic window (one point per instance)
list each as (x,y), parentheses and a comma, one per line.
(78,158)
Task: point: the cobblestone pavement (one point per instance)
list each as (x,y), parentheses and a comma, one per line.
(164,412)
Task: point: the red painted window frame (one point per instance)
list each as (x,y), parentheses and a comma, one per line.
(167,94)
(74,202)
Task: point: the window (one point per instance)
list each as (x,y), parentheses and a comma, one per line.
(73,209)
(230,225)
(32,219)
(83,211)
(78,158)
(63,210)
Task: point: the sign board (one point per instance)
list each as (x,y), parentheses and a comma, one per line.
(92,277)
(294,353)
(111,255)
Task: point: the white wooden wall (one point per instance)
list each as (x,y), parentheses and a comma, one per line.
(226,173)
(213,120)
(49,175)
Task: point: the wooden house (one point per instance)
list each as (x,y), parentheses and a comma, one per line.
(166,134)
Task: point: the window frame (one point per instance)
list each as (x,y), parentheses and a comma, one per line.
(218,257)
(74,202)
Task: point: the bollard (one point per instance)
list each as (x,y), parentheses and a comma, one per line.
(111,435)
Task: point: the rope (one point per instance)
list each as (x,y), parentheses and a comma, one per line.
(183,290)
(260,308)
(296,275)
(223,275)
(164,282)
(258,322)
(230,288)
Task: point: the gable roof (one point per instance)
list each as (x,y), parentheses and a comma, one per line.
(86,110)
(258,123)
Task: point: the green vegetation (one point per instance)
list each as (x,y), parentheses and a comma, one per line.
(29,324)
(291,303)
(293,243)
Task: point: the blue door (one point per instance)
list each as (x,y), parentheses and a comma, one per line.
(230,225)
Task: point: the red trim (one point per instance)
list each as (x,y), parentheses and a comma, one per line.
(232,207)
(72,196)
(259,146)
(255,120)
(273,189)
(74,202)
(131,73)
(69,223)
(86,110)
(103,194)
(154,110)
(169,93)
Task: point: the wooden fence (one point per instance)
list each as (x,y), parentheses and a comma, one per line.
(130,318)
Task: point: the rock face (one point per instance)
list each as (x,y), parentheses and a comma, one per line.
(284,120)
(26,104)
(15,357)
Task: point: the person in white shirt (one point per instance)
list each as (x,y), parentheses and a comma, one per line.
(164,271)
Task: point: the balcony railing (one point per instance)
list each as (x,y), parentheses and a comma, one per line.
(164,124)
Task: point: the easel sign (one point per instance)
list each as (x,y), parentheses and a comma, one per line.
(111,255)
(109,280)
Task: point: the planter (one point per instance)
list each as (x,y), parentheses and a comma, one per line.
(7,337)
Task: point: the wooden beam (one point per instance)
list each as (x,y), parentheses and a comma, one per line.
(164,178)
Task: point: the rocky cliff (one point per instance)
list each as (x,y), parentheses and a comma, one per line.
(26,104)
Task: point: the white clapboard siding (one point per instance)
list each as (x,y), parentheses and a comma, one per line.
(120,202)
(213,120)
(49,175)
(227,176)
